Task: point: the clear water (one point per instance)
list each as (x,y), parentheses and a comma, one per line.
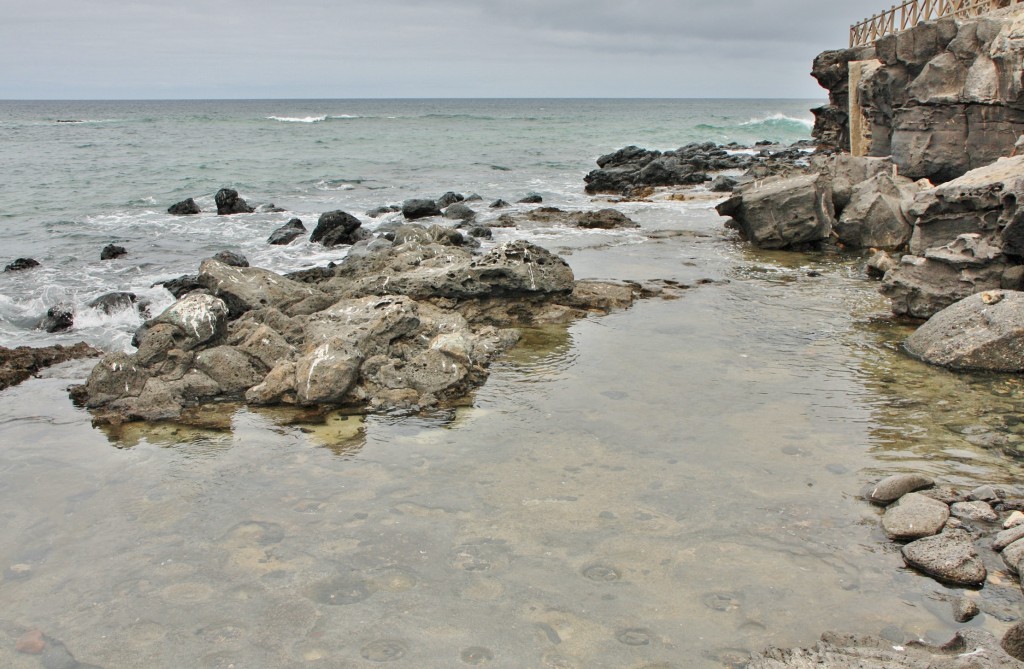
(670,486)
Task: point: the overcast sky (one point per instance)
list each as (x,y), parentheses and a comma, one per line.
(418,48)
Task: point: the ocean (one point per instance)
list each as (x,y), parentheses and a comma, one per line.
(81,175)
(672,485)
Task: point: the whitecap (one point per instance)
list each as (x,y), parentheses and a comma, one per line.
(297,119)
(779,119)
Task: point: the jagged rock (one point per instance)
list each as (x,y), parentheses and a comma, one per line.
(287,233)
(112,251)
(723,184)
(891,488)
(21,264)
(848,171)
(949,557)
(983,332)
(197,319)
(414,209)
(969,649)
(782,213)
(18,364)
(914,516)
(945,98)
(110,303)
(58,318)
(228,202)
(231,258)
(184,208)
(531,198)
(337,227)
(879,263)
(246,288)
(873,215)
(920,288)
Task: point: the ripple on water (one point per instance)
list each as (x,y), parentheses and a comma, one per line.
(476,655)
(342,590)
(384,650)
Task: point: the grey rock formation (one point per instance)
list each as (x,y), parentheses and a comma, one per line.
(246,288)
(945,97)
(873,216)
(982,332)
(782,212)
(914,516)
(949,557)
(891,488)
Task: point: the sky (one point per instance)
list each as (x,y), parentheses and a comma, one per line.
(156,49)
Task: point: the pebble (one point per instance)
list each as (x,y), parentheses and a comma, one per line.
(978,511)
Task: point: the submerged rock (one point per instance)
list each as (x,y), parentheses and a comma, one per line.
(58,318)
(18,364)
(969,649)
(21,264)
(113,302)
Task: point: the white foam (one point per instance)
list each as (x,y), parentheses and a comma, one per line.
(777,118)
(298,119)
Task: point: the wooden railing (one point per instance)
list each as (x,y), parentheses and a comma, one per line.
(910,13)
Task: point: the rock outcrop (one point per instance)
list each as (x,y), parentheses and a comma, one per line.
(407,324)
(941,98)
(968,237)
(184,208)
(228,202)
(287,233)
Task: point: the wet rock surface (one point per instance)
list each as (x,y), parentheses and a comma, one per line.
(949,557)
(18,364)
(228,202)
(408,323)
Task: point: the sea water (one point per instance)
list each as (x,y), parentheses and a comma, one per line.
(674,485)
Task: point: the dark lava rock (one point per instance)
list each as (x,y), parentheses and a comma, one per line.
(949,557)
(57,319)
(532,198)
(181,286)
(112,251)
(271,208)
(21,264)
(232,258)
(228,202)
(337,227)
(287,233)
(413,209)
(480,232)
(114,302)
(449,198)
(460,211)
(17,364)
(499,204)
(184,208)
